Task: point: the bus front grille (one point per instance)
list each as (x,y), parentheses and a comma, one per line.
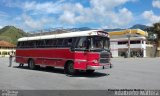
(104,60)
(104,57)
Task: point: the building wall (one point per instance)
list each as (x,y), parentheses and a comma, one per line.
(4,52)
(119,50)
(114,49)
(150,49)
(158,49)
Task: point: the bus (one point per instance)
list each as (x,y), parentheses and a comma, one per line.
(74,51)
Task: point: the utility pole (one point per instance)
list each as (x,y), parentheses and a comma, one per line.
(129,46)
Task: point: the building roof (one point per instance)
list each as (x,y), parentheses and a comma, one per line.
(129,32)
(6,44)
(66,35)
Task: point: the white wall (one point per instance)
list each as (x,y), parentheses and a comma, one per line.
(114,49)
(115,46)
(5,50)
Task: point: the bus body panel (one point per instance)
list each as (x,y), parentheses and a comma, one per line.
(44,56)
(58,57)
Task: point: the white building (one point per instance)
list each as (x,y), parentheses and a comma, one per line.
(6,48)
(120,46)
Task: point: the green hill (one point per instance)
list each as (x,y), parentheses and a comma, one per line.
(139,26)
(11,34)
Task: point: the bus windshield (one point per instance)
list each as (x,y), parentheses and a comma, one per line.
(94,43)
(98,42)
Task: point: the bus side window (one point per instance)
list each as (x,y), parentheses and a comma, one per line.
(40,43)
(59,42)
(26,44)
(68,42)
(23,45)
(54,42)
(49,42)
(43,44)
(19,45)
(82,42)
(31,44)
(36,45)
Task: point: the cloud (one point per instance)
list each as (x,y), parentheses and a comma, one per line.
(33,23)
(4,18)
(103,5)
(1,27)
(99,12)
(12,3)
(75,13)
(72,13)
(156,3)
(123,17)
(3,14)
(46,7)
(150,16)
(102,13)
(68,17)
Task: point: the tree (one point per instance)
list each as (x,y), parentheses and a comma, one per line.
(155,30)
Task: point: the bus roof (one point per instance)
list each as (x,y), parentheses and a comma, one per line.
(65,35)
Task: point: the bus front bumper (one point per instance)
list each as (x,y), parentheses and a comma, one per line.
(99,67)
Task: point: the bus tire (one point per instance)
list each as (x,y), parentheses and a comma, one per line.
(90,71)
(31,64)
(69,69)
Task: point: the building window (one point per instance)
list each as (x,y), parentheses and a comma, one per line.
(131,42)
(122,42)
(135,42)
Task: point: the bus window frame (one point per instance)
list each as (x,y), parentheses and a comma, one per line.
(77,42)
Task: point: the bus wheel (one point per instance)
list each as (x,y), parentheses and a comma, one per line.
(31,64)
(69,69)
(90,71)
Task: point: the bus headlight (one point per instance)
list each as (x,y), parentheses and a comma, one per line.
(95,61)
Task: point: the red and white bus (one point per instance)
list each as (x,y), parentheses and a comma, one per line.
(83,50)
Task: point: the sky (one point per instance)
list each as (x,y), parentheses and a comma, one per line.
(31,15)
